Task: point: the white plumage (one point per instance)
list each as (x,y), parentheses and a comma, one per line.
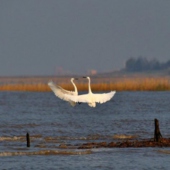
(60,92)
(91,98)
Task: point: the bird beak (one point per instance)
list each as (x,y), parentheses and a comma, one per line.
(84,77)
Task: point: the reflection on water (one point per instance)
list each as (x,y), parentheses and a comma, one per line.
(55,127)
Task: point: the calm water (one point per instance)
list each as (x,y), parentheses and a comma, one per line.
(53,124)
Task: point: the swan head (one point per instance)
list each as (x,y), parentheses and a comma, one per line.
(87,77)
(74,79)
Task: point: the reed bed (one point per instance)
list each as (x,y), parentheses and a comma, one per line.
(98,84)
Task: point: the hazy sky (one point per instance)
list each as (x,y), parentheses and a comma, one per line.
(45,37)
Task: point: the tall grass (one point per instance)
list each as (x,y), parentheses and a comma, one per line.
(100,84)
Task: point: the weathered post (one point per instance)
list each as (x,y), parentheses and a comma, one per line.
(28,139)
(157,133)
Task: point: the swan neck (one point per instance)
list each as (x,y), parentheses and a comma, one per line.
(89,86)
(75,88)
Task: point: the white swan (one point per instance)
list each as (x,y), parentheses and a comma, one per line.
(60,92)
(90,97)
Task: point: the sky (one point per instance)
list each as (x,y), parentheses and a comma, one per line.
(60,37)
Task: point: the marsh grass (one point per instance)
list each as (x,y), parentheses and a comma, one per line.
(97,84)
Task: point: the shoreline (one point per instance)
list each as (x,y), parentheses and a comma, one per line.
(132,83)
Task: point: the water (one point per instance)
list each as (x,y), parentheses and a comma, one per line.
(56,129)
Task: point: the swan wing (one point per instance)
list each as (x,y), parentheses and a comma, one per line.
(84,98)
(104,97)
(65,91)
(58,91)
(59,88)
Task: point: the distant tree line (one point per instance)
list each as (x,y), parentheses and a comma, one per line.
(142,64)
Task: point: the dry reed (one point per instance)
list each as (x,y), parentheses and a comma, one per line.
(118,84)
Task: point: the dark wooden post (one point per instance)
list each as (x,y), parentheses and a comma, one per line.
(157,133)
(28,139)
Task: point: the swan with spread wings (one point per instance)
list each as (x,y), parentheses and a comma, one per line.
(90,97)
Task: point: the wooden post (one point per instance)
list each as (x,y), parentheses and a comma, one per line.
(157,133)
(28,139)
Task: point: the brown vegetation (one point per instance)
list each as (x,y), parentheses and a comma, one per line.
(97,84)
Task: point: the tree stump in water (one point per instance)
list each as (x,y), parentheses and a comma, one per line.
(157,133)
(28,139)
